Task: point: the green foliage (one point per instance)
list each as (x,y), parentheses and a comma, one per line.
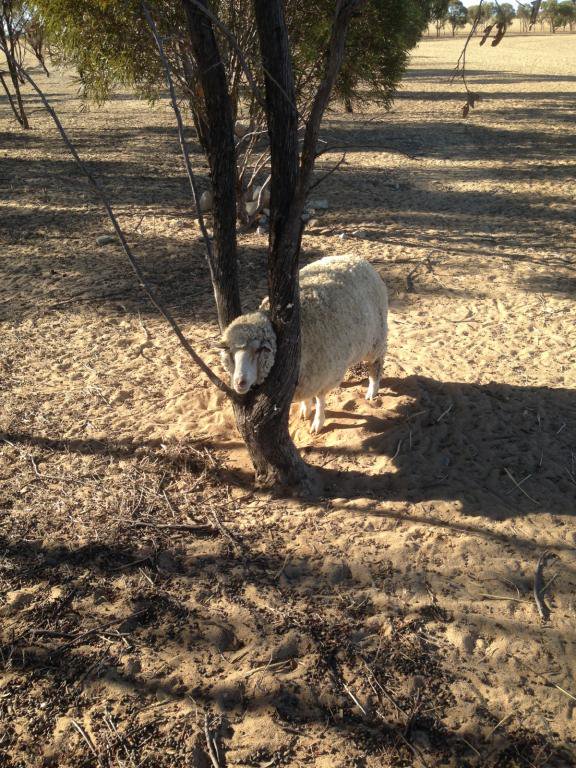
(504,13)
(457,15)
(486,12)
(109,44)
(558,14)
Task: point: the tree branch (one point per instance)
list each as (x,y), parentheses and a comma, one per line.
(219,145)
(342,17)
(183,143)
(127,250)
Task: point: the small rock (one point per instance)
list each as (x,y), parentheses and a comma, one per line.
(206,201)
(362,234)
(313,223)
(106,239)
(343,236)
(320,205)
(241,129)
(266,197)
(337,572)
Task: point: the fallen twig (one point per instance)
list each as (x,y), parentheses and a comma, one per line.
(200,530)
(539,587)
(211,744)
(517,484)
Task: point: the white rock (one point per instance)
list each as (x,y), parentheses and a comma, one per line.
(362,234)
(319,205)
(342,235)
(106,239)
(266,197)
(251,207)
(206,201)
(241,129)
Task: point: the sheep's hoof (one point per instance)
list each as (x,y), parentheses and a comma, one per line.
(317,425)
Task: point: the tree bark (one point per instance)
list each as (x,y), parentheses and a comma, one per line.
(262,416)
(217,136)
(263,420)
(7,42)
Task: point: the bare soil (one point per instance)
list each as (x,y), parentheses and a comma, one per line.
(149,594)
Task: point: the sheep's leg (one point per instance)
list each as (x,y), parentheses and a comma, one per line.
(319,416)
(374,374)
(305,409)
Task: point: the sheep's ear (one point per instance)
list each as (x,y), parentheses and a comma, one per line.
(266,355)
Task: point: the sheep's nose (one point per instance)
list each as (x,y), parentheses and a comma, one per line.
(241,382)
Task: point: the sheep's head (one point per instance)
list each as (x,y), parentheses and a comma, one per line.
(248,350)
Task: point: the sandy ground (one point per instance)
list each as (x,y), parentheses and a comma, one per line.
(390,624)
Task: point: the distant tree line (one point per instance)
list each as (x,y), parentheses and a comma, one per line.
(556,15)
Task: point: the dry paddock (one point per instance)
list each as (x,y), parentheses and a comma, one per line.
(149,596)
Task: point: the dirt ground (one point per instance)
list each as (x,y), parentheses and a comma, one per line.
(390,624)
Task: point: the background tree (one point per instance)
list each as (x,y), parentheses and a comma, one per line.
(457,16)
(566,14)
(504,13)
(12,18)
(524,13)
(279,70)
(482,12)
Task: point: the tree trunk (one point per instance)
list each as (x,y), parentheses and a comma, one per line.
(8,45)
(217,137)
(263,421)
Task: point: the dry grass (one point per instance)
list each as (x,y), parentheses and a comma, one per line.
(145,586)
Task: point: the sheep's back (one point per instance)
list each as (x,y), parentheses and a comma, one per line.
(343,308)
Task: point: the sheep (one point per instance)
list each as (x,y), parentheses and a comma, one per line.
(344,306)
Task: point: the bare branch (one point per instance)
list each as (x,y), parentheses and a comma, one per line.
(342,17)
(223,28)
(127,250)
(328,173)
(183,143)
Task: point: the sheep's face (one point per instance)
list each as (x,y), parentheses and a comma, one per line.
(248,365)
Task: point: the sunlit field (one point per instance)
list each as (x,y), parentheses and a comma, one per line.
(145,584)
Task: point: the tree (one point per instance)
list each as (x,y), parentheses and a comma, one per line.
(566,14)
(253,57)
(504,13)
(524,13)
(11,30)
(457,15)
(438,16)
(480,13)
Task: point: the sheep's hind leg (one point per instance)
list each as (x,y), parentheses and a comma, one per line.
(374,374)
(305,409)
(319,417)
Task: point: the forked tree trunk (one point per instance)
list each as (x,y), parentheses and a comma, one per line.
(262,416)
(7,41)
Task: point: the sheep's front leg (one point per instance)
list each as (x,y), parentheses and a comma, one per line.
(305,409)
(319,417)
(374,374)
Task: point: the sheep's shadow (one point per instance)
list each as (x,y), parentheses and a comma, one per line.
(497,449)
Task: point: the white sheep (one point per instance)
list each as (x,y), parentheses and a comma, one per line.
(344,308)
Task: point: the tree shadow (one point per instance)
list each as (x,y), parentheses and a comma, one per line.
(498,450)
